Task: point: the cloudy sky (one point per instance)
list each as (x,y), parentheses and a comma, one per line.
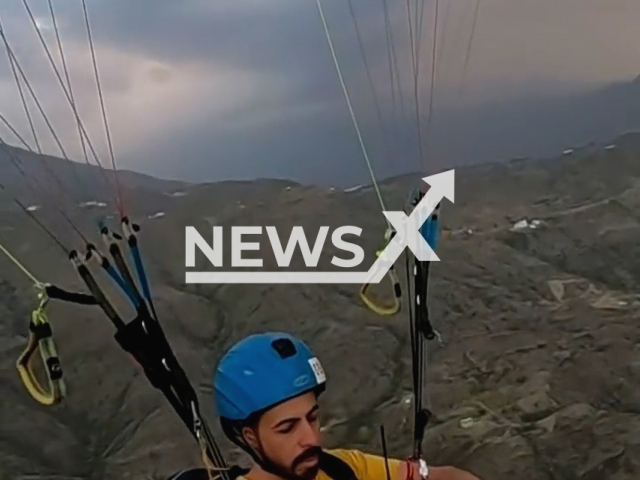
(217,89)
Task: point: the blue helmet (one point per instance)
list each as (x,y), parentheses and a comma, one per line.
(262,371)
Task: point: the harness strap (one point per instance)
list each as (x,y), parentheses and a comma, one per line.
(144,339)
(92,252)
(334,467)
(201,474)
(421,328)
(95,290)
(116,254)
(73,297)
(129,230)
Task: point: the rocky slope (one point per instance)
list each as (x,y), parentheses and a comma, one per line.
(536,376)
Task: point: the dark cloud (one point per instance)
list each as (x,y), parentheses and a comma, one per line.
(293,121)
(320,148)
(324,149)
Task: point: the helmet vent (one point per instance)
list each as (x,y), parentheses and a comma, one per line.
(284,347)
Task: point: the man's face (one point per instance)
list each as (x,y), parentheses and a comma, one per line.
(289,437)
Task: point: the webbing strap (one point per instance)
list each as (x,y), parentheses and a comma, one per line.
(430,230)
(144,339)
(72,297)
(131,289)
(421,286)
(421,328)
(332,466)
(129,229)
(92,252)
(336,468)
(95,290)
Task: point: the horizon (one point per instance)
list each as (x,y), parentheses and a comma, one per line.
(184,90)
(365,181)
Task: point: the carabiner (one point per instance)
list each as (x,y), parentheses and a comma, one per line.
(41,338)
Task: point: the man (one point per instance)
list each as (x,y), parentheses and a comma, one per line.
(266,389)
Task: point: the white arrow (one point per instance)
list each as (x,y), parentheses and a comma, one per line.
(444,183)
(442,186)
(407,234)
(408,228)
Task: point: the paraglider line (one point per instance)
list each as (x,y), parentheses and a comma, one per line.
(351,112)
(102,107)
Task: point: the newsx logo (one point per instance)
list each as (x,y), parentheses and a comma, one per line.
(407,234)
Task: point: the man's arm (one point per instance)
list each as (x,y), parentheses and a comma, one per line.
(374,467)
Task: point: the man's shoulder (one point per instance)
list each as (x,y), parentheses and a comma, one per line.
(342,463)
(353,455)
(364,465)
(340,452)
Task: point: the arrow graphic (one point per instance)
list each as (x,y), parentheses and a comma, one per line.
(407,235)
(408,227)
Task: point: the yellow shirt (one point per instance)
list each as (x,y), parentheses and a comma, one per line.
(365,465)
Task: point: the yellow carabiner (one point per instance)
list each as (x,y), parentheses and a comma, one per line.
(380,308)
(40,338)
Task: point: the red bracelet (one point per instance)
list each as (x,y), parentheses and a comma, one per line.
(409,470)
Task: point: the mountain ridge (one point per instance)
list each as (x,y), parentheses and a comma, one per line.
(524,313)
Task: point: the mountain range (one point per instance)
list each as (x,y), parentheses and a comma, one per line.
(535,298)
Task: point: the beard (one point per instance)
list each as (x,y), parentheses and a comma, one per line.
(295,471)
(307,473)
